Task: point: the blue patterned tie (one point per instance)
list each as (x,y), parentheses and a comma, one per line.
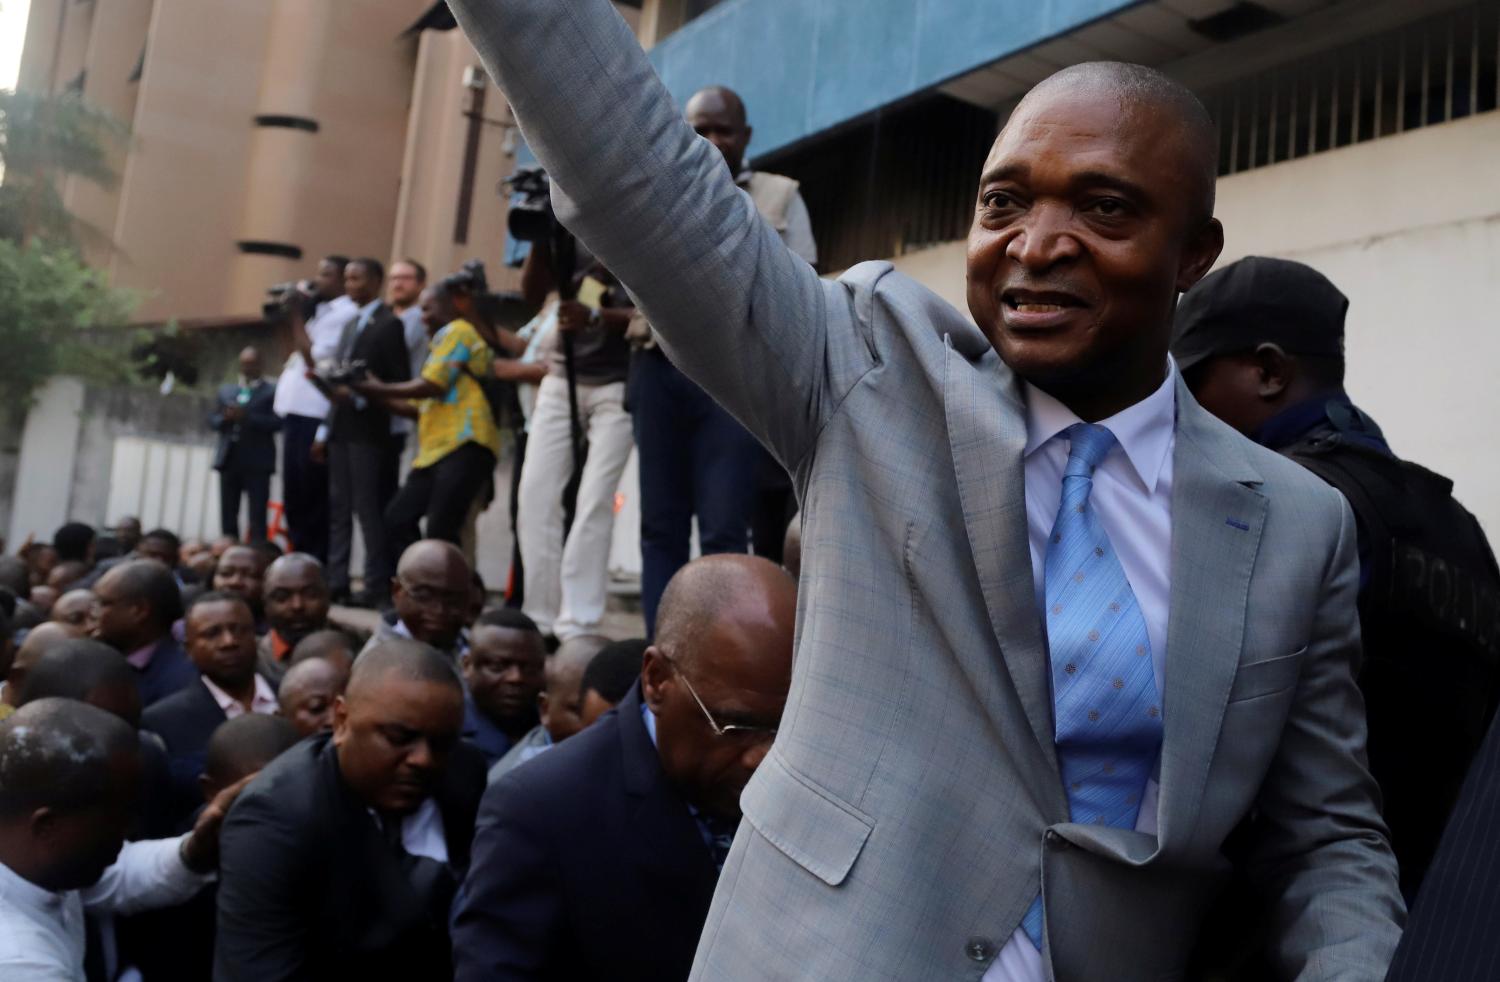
(1106,709)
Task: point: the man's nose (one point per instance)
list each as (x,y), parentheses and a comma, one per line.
(1044,238)
(420,756)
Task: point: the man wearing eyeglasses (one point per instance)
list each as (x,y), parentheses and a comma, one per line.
(599,858)
(430,596)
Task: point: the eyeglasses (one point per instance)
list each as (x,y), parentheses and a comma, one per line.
(425,596)
(724,730)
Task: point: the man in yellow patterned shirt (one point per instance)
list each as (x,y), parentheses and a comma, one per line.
(457,438)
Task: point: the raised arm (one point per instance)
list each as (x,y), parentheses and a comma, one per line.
(737,311)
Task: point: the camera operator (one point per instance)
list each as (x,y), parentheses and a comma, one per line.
(457,438)
(356,438)
(565,587)
(303,407)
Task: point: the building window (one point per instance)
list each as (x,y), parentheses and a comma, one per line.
(1432,71)
(903,179)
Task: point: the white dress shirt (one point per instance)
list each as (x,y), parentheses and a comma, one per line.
(42,933)
(1132,496)
(422,831)
(295,395)
(263,703)
(416,347)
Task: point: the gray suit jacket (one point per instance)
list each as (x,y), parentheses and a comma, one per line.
(911,806)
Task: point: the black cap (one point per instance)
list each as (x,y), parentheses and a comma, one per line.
(1257,300)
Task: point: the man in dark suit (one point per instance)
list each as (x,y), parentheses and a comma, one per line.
(138,601)
(221,644)
(599,859)
(245,456)
(341,859)
(356,439)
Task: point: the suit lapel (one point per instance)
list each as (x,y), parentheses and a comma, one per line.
(668,844)
(1217,518)
(987,437)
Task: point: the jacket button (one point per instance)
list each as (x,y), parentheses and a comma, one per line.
(980,949)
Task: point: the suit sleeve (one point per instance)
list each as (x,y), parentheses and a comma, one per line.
(262,920)
(216,420)
(735,309)
(508,914)
(395,356)
(1323,858)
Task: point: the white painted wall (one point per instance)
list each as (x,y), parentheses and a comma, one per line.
(44,474)
(1409,228)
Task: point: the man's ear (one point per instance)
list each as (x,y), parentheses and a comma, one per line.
(655,671)
(542,705)
(208,787)
(43,823)
(340,719)
(1275,371)
(1200,254)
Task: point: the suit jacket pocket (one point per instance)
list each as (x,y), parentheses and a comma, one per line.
(1264,678)
(815,829)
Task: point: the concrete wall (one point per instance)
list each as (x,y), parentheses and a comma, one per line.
(1409,228)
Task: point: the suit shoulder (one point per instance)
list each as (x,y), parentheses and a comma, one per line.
(286,790)
(173,711)
(1284,481)
(554,786)
(915,309)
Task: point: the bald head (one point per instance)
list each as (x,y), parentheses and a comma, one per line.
(718,115)
(720,588)
(39,640)
(401,660)
(56,753)
(561,700)
(243,746)
(432,591)
(89,671)
(1135,89)
(308,691)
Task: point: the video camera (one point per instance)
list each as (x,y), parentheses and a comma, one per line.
(531,216)
(284,298)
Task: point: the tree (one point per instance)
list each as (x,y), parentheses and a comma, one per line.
(55,316)
(43,139)
(53,308)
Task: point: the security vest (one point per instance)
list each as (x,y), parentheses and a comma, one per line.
(1429,612)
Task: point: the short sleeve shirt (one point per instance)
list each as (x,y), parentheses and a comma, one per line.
(462,413)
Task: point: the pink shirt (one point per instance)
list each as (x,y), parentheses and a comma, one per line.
(263,703)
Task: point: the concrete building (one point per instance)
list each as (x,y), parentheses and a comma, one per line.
(1358,136)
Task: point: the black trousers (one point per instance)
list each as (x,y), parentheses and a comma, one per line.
(235,482)
(304,487)
(443,493)
(356,473)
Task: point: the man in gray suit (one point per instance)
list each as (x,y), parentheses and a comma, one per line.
(1060,631)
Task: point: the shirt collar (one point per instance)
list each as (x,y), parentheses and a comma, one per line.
(141,657)
(368,309)
(648,718)
(1143,431)
(23,892)
(262,702)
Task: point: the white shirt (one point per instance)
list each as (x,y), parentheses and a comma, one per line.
(422,831)
(295,395)
(417,347)
(42,933)
(1132,496)
(263,703)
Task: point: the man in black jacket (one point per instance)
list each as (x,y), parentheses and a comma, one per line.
(245,456)
(341,859)
(221,644)
(598,860)
(356,439)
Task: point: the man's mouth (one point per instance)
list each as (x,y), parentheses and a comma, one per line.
(1039,301)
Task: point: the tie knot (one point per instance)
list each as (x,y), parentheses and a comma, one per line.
(1087,445)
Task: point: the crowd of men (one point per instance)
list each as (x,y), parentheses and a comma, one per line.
(986,764)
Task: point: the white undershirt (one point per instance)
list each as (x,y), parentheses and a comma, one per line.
(1132,496)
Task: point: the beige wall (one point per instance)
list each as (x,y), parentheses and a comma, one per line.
(1409,228)
(434,157)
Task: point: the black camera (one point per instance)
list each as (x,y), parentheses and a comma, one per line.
(531,216)
(342,373)
(470,279)
(284,298)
